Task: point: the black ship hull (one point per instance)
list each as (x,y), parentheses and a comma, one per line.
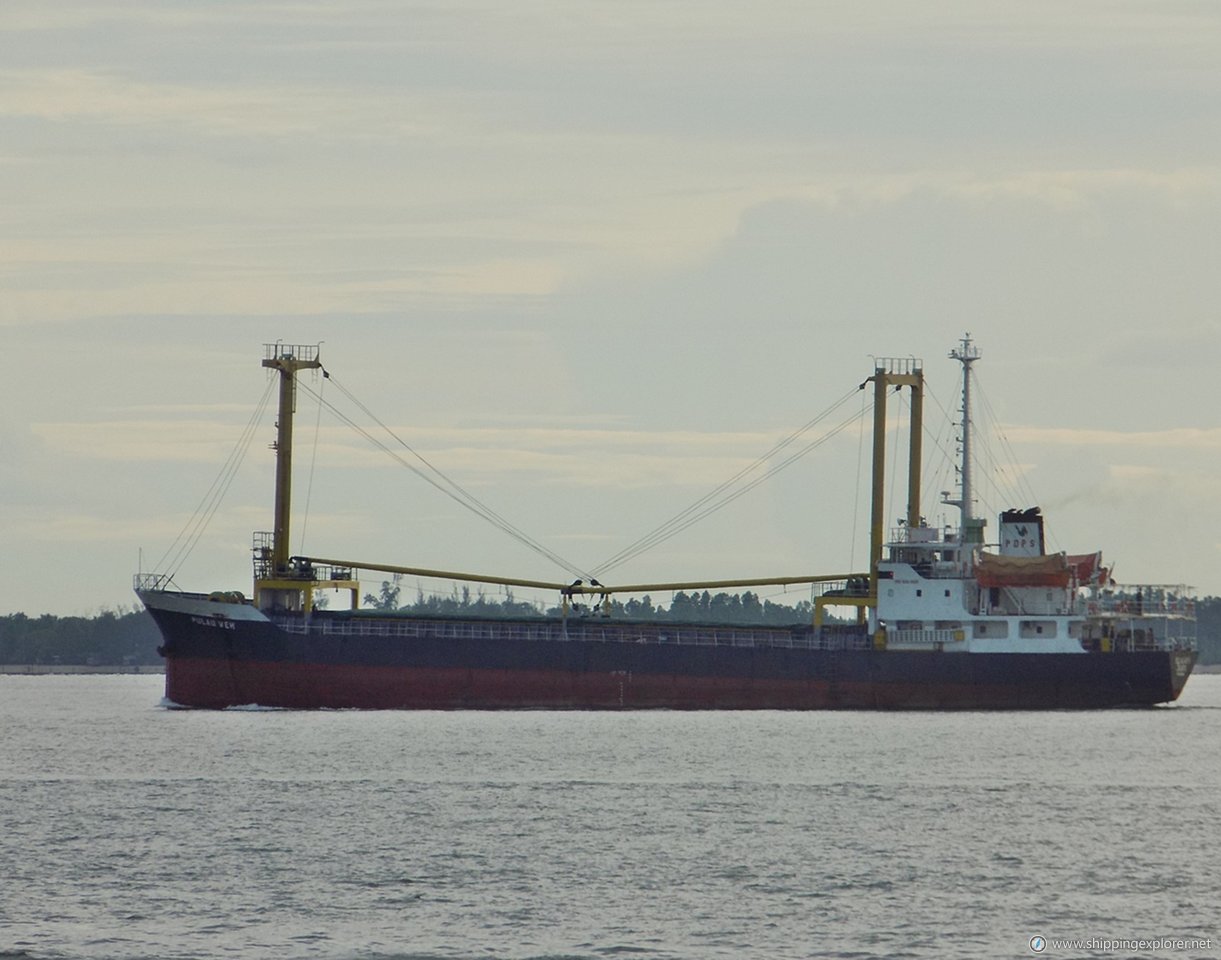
(227,654)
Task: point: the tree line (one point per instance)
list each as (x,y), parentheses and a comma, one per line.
(109,639)
(697,607)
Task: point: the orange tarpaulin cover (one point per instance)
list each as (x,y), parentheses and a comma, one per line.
(1053,570)
(1088,567)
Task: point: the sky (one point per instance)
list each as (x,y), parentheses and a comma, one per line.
(591,260)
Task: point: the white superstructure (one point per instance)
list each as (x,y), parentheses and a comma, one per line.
(945,589)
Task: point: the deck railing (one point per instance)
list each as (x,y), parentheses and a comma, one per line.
(1143,601)
(579,631)
(925,637)
(151,581)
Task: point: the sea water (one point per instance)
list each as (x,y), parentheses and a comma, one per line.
(128,830)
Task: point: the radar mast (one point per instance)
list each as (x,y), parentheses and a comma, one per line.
(972,528)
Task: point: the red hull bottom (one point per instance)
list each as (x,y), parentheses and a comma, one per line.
(224,683)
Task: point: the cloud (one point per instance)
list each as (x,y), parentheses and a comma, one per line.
(59,523)
(1077,187)
(134,441)
(1185,438)
(82,95)
(476,456)
(601,252)
(1168,349)
(1183,483)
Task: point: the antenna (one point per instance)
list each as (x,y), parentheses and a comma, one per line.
(966,353)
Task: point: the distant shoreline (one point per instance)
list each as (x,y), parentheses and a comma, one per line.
(71,669)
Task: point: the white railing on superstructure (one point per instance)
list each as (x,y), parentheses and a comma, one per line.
(923,536)
(1144,616)
(925,637)
(1143,600)
(1131,641)
(290,351)
(151,581)
(853,587)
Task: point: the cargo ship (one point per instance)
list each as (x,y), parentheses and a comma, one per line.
(943,619)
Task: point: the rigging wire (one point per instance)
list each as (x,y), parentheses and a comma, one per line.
(856,500)
(309,487)
(1003,483)
(941,477)
(648,540)
(894,455)
(1022,485)
(708,504)
(437,479)
(1018,484)
(990,470)
(183,544)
